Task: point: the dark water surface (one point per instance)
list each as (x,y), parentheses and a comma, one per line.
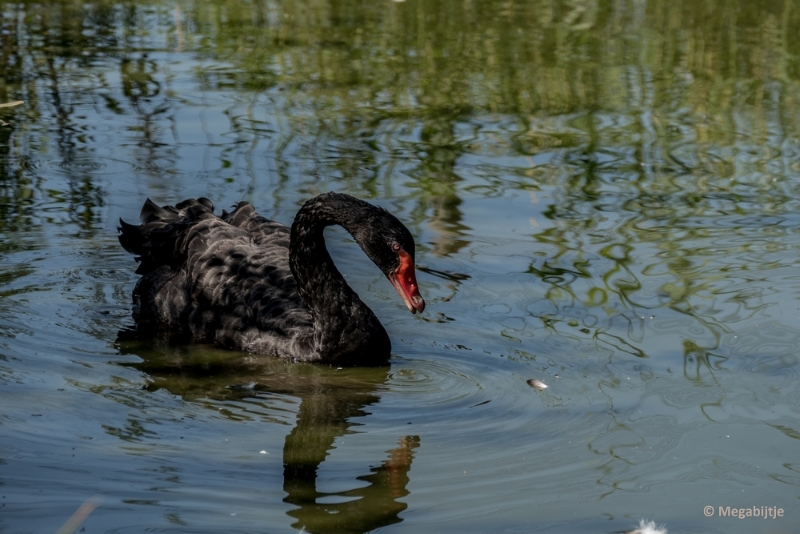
(605,197)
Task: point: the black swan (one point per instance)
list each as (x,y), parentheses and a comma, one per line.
(249,283)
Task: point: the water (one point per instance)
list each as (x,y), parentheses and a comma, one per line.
(604,197)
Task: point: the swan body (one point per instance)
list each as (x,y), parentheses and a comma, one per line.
(250,283)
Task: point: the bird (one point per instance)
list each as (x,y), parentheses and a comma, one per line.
(249,283)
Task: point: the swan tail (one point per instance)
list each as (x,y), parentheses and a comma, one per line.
(159,240)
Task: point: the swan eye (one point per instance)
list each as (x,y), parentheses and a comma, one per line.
(396,246)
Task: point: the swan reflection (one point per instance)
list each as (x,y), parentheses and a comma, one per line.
(330,400)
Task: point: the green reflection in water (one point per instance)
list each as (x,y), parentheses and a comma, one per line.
(670,115)
(657,142)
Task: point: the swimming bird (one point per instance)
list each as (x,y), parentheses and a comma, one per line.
(253,284)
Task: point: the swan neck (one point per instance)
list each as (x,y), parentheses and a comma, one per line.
(340,317)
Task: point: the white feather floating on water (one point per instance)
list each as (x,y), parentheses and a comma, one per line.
(537,384)
(649,527)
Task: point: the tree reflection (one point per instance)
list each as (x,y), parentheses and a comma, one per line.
(653,124)
(438,150)
(330,399)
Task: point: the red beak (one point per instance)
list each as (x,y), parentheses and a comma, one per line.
(404,280)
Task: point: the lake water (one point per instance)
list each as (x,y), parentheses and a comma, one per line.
(605,197)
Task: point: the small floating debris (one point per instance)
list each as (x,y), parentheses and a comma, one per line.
(80,515)
(250,386)
(646,527)
(537,384)
(10,105)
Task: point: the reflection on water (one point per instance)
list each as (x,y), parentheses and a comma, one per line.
(359,510)
(604,196)
(330,399)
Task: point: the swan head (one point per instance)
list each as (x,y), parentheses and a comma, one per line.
(404,279)
(390,245)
